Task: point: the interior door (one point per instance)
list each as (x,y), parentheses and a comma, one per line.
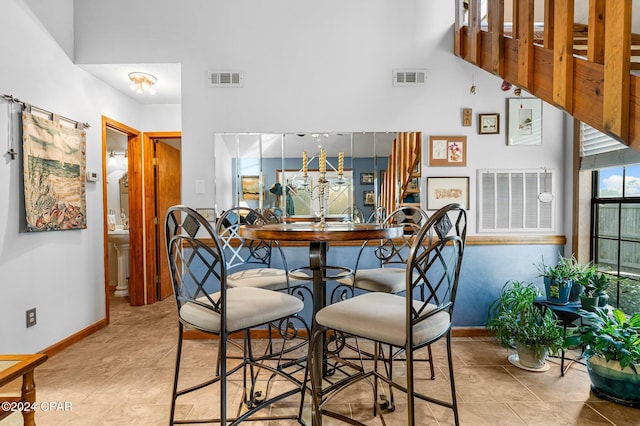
(167,183)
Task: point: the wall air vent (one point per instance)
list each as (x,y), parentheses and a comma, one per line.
(516,201)
(225,79)
(409,77)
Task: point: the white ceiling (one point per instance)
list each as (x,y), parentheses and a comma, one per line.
(168,87)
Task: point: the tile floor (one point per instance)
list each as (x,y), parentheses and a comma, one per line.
(122,375)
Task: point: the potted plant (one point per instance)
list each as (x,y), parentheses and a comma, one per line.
(601,282)
(587,280)
(559,278)
(518,323)
(612,341)
(595,284)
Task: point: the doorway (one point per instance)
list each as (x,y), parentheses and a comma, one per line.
(153,182)
(167,183)
(131,149)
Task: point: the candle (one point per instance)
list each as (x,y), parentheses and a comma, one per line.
(340,163)
(304,163)
(323,161)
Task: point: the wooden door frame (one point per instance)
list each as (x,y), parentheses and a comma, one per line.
(136,272)
(150,219)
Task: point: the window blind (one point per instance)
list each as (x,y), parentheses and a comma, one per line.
(600,151)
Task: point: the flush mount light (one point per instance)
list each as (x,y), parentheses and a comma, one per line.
(141,82)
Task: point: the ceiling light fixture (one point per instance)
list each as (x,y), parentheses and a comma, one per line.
(141,82)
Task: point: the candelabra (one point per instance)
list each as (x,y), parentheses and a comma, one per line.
(322,190)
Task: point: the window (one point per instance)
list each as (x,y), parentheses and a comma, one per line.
(615,232)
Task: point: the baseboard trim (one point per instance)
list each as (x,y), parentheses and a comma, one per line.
(470,332)
(75,338)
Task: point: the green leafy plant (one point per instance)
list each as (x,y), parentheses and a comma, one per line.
(566,269)
(593,280)
(611,335)
(513,317)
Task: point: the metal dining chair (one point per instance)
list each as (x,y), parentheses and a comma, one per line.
(206,302)
(416,319)
(249,263)
(389,275)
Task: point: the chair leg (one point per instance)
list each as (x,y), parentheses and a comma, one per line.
(303,391)
(174,395)
(316,376)
(454,401)
(411,415)
(376,349)
(222,351)
(433,372)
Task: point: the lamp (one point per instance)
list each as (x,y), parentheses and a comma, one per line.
(112,159)
(141,82)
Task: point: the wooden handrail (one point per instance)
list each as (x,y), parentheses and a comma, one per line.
(597,89)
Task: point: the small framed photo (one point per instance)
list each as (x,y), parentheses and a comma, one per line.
(250,187)
(208,213)
(489,124)
(525,121)
(369,198)
(366,178)
(447,150)
(446,190)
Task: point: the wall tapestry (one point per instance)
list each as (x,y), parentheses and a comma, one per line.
(54,175)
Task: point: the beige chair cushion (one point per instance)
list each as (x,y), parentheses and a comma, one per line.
(269,278)
(381,317)
(246,307)
(385,280)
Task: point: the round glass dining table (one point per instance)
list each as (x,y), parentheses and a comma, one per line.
(319,235)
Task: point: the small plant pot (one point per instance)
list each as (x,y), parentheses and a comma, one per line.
(575,293)
(589,303)
(531,358)
(603,299)
(611,382)
(557,291)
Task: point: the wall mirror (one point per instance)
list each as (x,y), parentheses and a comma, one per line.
(265,171)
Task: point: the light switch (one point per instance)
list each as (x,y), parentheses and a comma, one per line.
(200,186)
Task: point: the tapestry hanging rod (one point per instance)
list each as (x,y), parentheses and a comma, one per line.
(54,116)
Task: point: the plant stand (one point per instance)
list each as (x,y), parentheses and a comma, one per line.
(567,314)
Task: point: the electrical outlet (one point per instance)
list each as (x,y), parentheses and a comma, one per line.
(31,317)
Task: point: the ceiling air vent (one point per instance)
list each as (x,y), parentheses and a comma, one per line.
(409,77)
(225,79)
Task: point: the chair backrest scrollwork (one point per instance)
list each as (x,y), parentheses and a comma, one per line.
(196,262)
(435,260)
(239,251)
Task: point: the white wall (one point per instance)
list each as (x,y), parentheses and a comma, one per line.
(59,273)
(313,66)
(309,66)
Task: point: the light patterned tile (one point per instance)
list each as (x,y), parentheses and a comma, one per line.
(123,375)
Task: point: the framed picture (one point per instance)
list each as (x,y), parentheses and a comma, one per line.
(250,187)
(447,150)
(369,198)
(489,124)
(366,178)
(208,213)
(525,121)
(446,190)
